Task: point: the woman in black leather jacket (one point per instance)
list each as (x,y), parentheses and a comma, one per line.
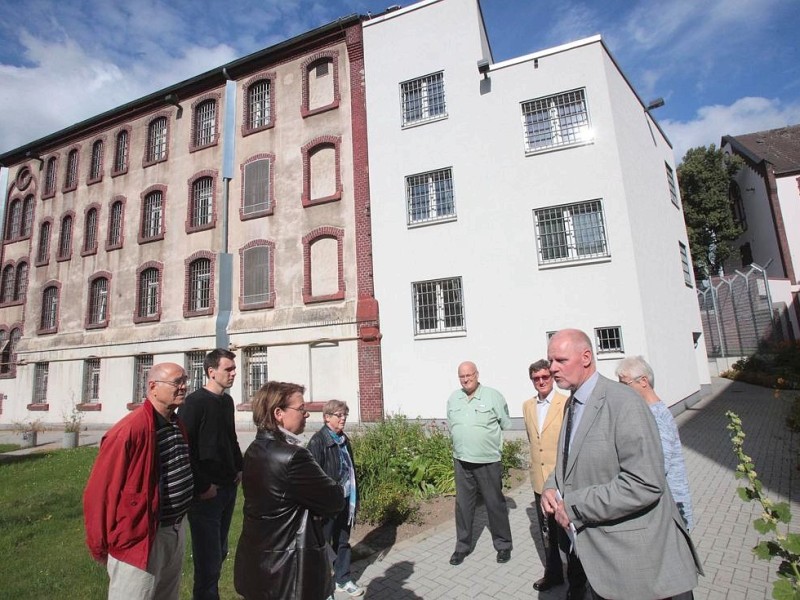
(282,552)
(331,448)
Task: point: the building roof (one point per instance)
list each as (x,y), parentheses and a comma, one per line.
(216,76)
(779,147)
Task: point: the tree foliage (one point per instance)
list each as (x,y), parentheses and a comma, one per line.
(704,178)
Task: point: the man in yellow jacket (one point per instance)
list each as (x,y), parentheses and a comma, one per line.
(543,416)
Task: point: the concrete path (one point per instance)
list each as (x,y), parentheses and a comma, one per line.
(723,533)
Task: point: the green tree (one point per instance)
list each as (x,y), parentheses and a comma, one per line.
(704,178)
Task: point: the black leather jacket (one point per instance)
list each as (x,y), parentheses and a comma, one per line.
(282,552)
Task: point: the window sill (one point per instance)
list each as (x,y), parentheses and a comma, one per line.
(155,238)
(575,263)
(89,407)
(250,131)
(93,181)
(440,335)
(257,305)
(419,122)
(102,325)
(134,405)
(150,319)
(309,112)
(436,221)
(538,151)
(204,227)
(327,298)
(120,172)
(256,214)
(203,146)
(38,407)
(335,197)
(616,355)
(89,252)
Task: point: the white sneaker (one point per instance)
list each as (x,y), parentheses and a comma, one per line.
(351,588)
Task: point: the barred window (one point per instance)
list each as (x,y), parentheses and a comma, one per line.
(157,140)
(121,152)
(91,381)
(141,369)
(202,198)
(555,121)
(152,215)
(14,220)
(194,370)
(115,225)
(71,176)
(608,339)
(65,240)
(255,370)
(673,190)
(98,301)
(43,249)
(258,104)
(40,372)
(438,306)
(90,231)
(430,196)
(50,177)
(7,284)
(423,99)
(255,273)
(200,284)
(570,232)
(256,187)
(27,217)
(96,166)
(21,281)
(149,293)
(8,353)
(205,123)
(49,317)
(687,268)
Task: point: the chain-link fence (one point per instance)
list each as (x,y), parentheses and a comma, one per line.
(738,314)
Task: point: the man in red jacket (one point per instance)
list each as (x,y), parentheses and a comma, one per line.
(138,493)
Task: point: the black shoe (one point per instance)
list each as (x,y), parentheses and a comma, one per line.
(545,583)
(458,558)
(503,556)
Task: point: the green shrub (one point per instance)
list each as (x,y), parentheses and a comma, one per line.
(511,457)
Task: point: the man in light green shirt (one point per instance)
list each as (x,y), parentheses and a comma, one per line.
(477,415)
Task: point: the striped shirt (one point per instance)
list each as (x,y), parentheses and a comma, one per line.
(176,485)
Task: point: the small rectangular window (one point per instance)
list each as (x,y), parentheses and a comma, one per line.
(40,373)
(255,370)
(673,189)
(556,121)
(429,196)
(194,369)
(438,306)
(422,99)
(608,339)
(141,369)
(570,232)
(91,381)
(687,268)
(256,187)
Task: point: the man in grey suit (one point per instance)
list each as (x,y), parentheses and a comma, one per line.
(608,489)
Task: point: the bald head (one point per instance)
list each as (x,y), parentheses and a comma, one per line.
(468,377)
(571,358)
(166,387)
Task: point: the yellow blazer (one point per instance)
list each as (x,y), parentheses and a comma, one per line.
(544,445)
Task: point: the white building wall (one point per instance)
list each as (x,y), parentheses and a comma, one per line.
(510,303)
(789,199)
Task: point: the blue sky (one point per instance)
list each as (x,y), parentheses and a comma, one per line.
(723,67)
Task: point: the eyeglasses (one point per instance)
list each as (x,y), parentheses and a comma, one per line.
(176,384)
(301,409)
(630,381)
(339,415)
(541,378)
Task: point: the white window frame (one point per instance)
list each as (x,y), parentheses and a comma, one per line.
(194,369)
(559,239)
(256,174)
(673,188)
(608,340)
(256,274)
(91,381)
(41,371)
(149,296)
(153,215)
(430,197)
(200,284)
(556,121)
(98,301)
(205,123)
(141,369)
(256,370)
(202,201)
(157,139)
(423,99)
(258,104)
(686,265)
(438,306)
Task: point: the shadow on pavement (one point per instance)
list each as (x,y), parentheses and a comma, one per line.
(391,583)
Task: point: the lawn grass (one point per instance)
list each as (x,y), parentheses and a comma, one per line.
(9,447)
(41,531)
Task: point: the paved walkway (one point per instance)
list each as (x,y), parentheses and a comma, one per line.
(724,534)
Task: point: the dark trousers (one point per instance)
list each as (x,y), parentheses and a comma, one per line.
(553,569)
(488,478)
(337,534)
(210,521)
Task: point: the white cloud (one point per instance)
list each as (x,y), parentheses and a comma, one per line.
(746,115)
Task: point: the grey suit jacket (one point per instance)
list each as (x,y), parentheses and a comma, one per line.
(631,539)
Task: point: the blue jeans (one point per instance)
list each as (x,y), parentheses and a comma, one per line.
(337,534)
(210,521)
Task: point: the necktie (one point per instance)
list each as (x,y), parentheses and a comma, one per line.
(568,434)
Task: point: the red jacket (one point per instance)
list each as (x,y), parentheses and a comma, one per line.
(121,500)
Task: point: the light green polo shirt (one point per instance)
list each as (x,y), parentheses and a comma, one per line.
(476,425)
